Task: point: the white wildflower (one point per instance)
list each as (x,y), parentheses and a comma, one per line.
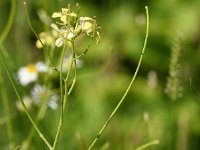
(53,101)
(29,73)
(38,93)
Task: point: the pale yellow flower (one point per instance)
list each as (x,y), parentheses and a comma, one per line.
(63,34)
(89,26)
(46,38)
(64,15)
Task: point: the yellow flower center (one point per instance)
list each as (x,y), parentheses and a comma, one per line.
(31,68)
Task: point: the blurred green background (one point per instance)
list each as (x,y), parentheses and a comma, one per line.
(147,113)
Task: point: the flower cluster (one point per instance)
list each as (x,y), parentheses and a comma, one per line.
(68,26)
(39,95)
(72,25)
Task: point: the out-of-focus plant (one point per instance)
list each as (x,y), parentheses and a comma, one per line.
(173,87)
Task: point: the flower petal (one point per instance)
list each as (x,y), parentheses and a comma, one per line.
(55,27)
(41,67)
(70,35)
(59,42)
(64,11)
(56,15)
(25,76)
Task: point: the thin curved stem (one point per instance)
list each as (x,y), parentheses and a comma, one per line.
(75,69)
(45,49)
(69,71)
(86,50)
(155,142)
(21,101)
(128,89)
(66,93)
(61,77)
(26,143)
(9,23)
(61,97)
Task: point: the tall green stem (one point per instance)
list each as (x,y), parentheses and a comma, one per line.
(66,92)
(75,69)
(20,99)
(61,97)
(61,77)
(128,89)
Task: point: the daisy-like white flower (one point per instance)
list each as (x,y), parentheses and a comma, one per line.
(53,101)
(28,74)
(27,101)
(39,93)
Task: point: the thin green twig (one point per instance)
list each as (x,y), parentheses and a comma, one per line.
(26,143)
(32,29)
(66,93)
(62,99)
(155,142)
(61,77)
(61,121)
(10,22)
(127,90)
(86,50)
(21,101)
(75,69)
